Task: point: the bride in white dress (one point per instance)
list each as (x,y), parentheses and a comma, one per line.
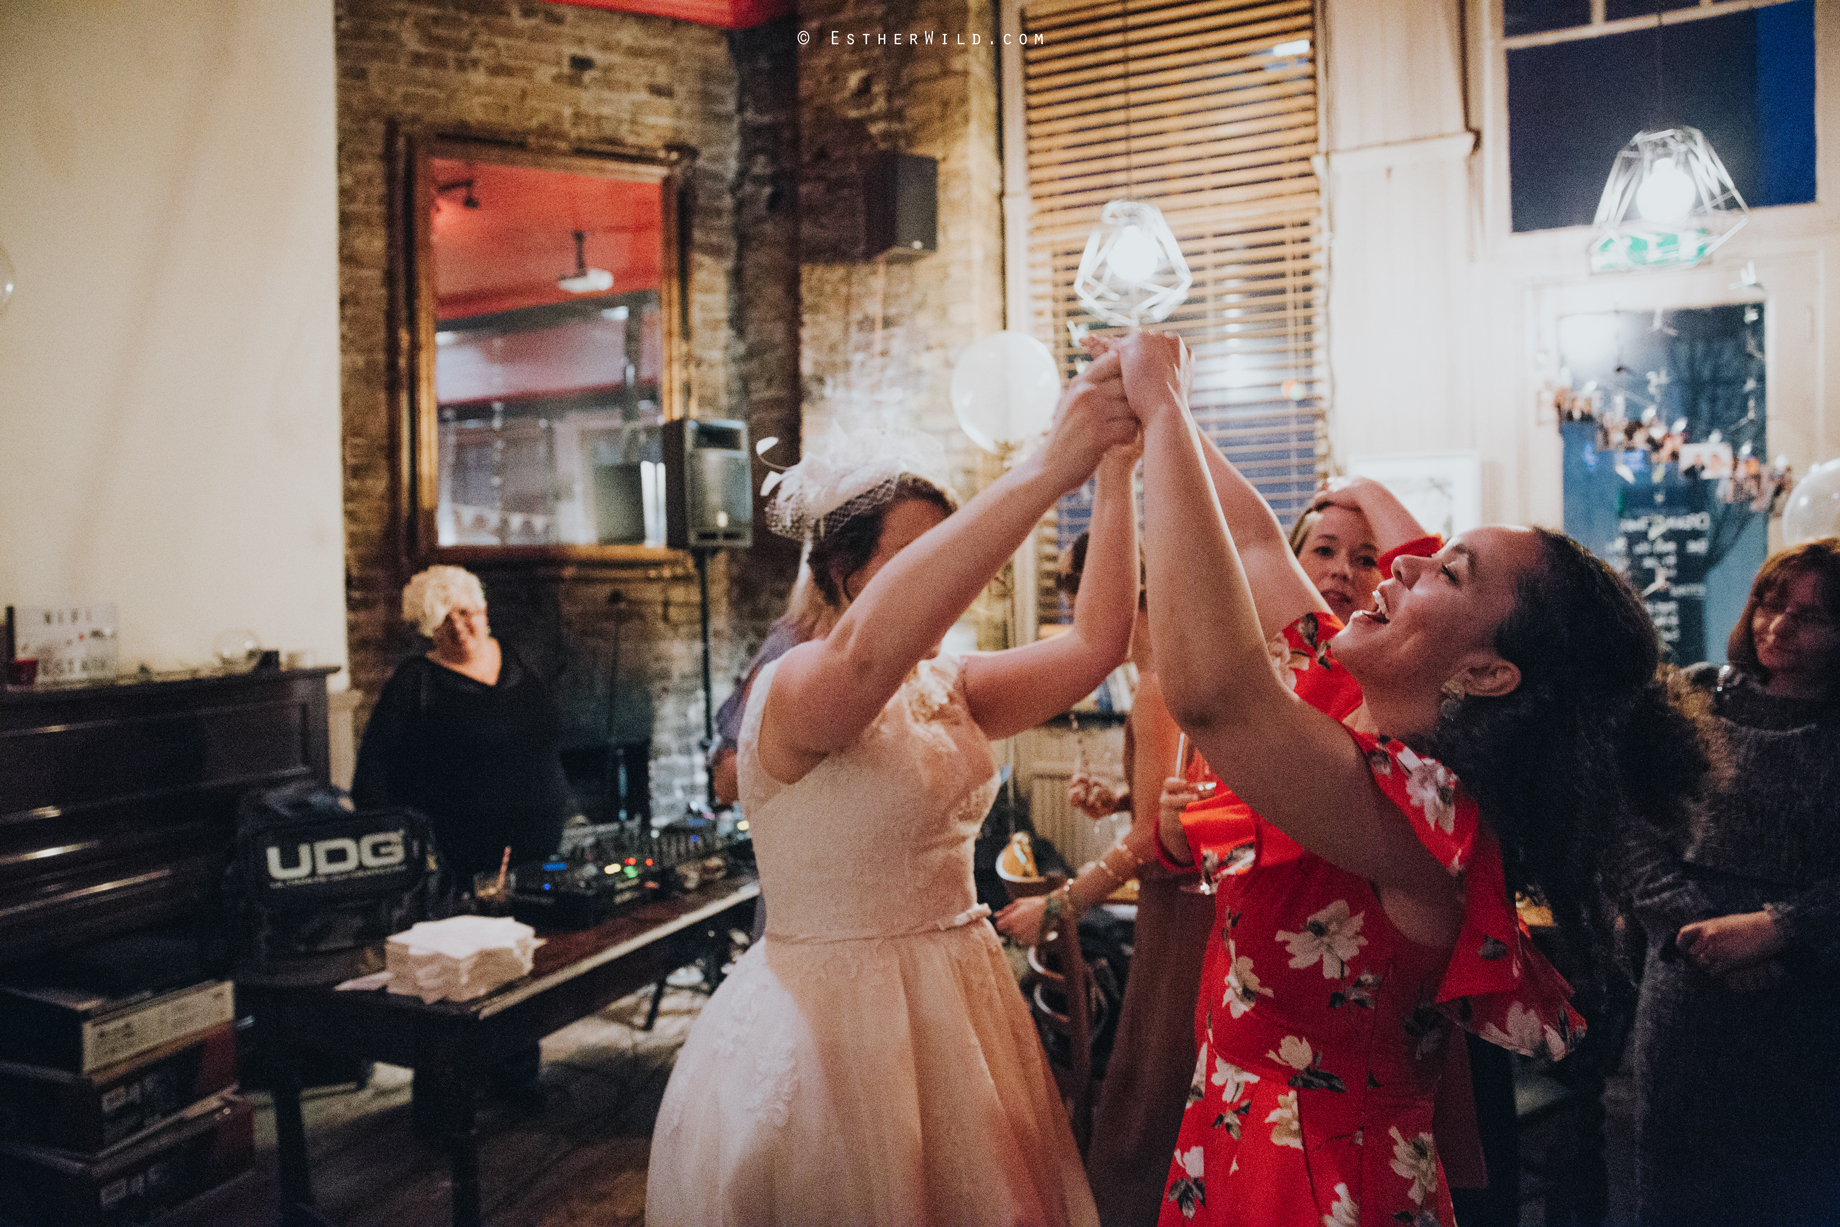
(870,1060)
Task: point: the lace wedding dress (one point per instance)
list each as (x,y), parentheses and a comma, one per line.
(871,1060)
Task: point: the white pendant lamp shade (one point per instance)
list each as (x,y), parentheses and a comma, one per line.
(1132,272)
(584,280)
(1669,201)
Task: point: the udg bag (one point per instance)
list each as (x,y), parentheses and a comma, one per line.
(315,885)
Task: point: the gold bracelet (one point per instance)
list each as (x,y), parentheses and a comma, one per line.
(1137,862)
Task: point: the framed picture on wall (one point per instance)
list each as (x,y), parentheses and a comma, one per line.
(1442,489)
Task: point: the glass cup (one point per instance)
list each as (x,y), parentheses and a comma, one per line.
(491,894)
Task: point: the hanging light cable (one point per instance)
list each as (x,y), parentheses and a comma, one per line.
(1132,272)
(1669,201)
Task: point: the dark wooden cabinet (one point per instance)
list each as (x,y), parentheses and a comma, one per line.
(118,802)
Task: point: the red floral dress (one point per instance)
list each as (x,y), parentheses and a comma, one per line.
(1322,1030)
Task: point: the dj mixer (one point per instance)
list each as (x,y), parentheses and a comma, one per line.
(621,869)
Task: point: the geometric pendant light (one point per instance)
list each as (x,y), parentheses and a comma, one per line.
(1669,202)
(1132,272)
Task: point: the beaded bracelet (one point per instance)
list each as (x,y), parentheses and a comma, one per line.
(1058,903)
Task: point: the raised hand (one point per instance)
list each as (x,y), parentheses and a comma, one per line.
(1092,417)
(1158,370)
(1339,492)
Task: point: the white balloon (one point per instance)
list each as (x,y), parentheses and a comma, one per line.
(1004,389)
(1813,509)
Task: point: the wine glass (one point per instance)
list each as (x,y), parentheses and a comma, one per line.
(1186,760)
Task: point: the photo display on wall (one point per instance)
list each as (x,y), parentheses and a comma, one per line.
(1666,460)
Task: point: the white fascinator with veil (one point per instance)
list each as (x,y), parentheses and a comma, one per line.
(848,469)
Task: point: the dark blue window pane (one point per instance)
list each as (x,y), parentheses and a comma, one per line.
(1746,80)
(1785,104)
(1616,10)
(1534,16)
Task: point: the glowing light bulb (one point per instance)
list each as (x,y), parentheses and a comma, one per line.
(1135,256)
(1666,194)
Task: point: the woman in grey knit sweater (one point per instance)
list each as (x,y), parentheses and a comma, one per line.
(1737,1039)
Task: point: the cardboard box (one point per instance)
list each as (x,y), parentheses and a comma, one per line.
(133,1183)
(88,1113)
(82,1031)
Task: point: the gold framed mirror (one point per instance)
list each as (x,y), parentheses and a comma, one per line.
(540,347)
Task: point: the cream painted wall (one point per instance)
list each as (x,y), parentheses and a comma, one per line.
(1442,321)
(169,405)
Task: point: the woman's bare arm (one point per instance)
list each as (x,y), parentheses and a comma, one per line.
(1296,766)
(827,691)
(1392,521)
(1281,591)
(1017,689)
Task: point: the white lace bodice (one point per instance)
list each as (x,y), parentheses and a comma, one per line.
(875,840)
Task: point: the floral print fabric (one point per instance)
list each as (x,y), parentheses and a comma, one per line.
(1322,1030)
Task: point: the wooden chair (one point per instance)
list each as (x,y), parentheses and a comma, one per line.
(1057,969)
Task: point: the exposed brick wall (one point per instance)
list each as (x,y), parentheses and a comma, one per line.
(939,101)
(506,65)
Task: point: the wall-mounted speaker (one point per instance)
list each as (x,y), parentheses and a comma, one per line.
(863,206)
(901,200)
(708,485)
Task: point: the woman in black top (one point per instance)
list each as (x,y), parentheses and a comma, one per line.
(1737,1039)
(468,734)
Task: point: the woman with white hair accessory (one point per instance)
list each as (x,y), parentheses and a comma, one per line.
(468,734)
(471,736)
(871,1060)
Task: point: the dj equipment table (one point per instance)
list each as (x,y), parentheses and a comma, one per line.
(575,975)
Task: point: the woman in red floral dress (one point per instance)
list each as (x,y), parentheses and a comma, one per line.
(1363,902)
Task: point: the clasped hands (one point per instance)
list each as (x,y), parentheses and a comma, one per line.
(1130,380)
(1740,949)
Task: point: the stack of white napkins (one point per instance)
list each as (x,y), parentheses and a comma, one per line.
(459,958)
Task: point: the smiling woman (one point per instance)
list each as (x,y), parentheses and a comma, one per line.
(1483,730)
(1742,917)
(540,345)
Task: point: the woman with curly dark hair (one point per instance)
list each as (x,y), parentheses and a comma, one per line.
(1737,1065)
(1486,729)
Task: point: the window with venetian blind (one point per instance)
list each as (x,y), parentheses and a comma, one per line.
(1208,110)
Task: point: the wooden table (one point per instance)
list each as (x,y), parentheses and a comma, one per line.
(575,975)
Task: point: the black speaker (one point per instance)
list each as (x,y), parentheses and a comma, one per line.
(901,206)
(619,504)
(862,206)
(708,485)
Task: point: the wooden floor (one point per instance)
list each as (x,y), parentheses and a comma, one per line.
(581,1160)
